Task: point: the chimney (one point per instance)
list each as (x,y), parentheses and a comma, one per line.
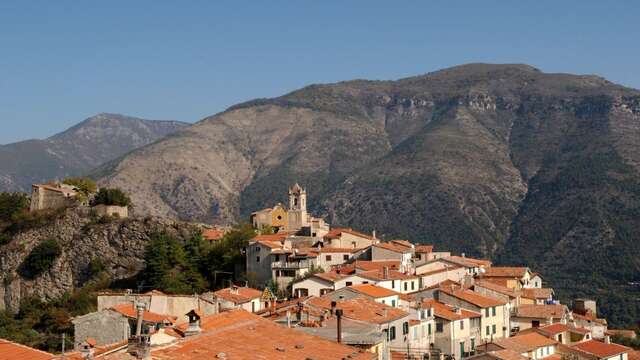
(194,323)
(550,320)
(86,349)
(607,339)
(463,255)
(385,272)
(384,312)
(373,233)
(333,307)
(288,318)
(299,312)
(339,317)
(140,307)
(234,290)
(457,310)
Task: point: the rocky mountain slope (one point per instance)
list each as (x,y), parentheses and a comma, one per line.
(119,245)
(75,151)
(501,161)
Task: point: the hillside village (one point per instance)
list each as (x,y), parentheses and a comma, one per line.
(313,291)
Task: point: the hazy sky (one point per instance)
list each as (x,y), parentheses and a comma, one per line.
(63,61)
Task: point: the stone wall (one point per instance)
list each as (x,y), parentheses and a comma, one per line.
(106,327)
(112,210)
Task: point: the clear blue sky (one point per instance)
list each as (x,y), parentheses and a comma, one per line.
(63,61)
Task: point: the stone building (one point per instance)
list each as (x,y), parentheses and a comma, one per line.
(111,210)
(294,220)
(47,196)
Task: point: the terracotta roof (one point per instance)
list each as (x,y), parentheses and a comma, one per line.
(497,288)
(540,311)
(337,232)
(554,329)
(270,237)
(241,335)
(600,349)
(213,234)
(633,355)
(361,309)
(238,295)
(14,351)
(467,261)
(438,271)
(473,297)
(404,243)
(378,275)
(621,332)
(376,265)
(129,310)
(330,276)
(447,311)
(525,343)
(589,317)
(445,283)
(337,250)
(373,290)
(506,354)
(537,293)
(505,271)
(414,322)
(424,248)
(270,244)
(55,188)
(393,247)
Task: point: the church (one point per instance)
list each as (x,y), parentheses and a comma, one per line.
(294,219)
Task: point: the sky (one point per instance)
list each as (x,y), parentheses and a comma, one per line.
(63,61)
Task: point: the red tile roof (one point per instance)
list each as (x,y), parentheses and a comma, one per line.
(361,309)
(600,349)
(241,335)
(373,290)
(541,311)
(393,247)
(424,249)
(526,342)
(490,285)
(337,232)
(270,237)
(213,234)
(376,265)
(129,310)
(506,354)
(467,261)
(474,298)
(589,317)
(554,329)
(505,271)
(447,311)
(378,275)
(537,293)
(404,243)
(14,351)
(238,295)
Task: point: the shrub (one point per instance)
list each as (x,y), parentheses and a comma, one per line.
(41,258)
(11,204)
(84,185)
(114,197)
(5,239)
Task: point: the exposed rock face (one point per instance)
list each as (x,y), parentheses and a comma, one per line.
(91,143)
(119,245)
(501,161)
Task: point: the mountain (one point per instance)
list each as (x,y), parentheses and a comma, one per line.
(499,161)
(75,151)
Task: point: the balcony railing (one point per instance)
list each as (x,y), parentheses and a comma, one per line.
(290,265)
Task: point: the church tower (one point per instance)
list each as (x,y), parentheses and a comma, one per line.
(297,207)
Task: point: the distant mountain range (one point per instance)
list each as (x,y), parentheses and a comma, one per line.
(75,151)
(499,161)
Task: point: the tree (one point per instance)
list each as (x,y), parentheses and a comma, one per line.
(114,197)
(41,258)
(11,204)
(84,185)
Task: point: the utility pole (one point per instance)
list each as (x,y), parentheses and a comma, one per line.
(63,341)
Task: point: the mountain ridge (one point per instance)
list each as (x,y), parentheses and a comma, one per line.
(76,150)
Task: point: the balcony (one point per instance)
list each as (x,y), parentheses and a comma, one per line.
(303,264)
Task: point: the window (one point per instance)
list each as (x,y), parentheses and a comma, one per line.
(415,333)
(392,333)
(383,301)
(473,344)
(461,324)
(327,257)
(486,312)
(493,329)
(493,311)
(535,323)
(393,284)
(365,282)
(439,327)
(258,258)
(488,330)
(353,244)
(345,257)
(348,283)
(429,329)
(253,307)
(412,285)
(277,257)
(405,287)
(393,303)
(405,328)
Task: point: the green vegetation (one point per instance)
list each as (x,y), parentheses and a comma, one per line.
(114,197)
(12,204)
(622,340)
(84,185)
(40,325)
(41,258)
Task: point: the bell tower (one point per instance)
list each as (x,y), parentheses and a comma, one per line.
(297,207)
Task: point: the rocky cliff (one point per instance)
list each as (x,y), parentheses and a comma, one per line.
(119,245)
(75,151)
(500,161)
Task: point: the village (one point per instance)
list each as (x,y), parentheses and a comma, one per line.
(314,291)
